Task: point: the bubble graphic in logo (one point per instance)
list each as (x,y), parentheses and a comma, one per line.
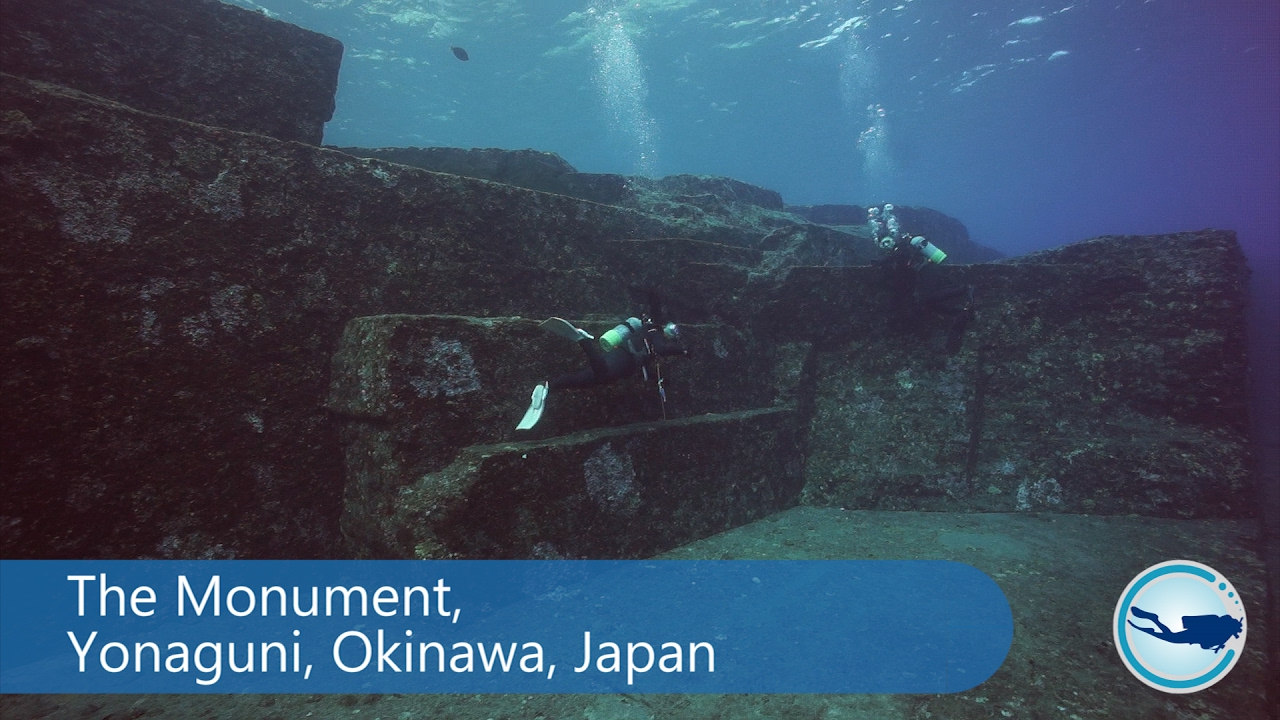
(1179,626)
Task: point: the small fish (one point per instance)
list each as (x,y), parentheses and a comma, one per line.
(459,53)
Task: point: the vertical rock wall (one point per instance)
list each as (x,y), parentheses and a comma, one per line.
(1104,377)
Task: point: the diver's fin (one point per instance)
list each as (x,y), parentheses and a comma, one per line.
(536,403)
(565,329)
(1144,614)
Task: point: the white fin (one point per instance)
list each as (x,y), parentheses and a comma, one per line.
(536,403)
(565,329)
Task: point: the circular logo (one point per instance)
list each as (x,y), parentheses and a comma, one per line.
(1179,626)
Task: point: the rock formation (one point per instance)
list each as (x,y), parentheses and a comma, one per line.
(199,60)
(716,209)
(218,343)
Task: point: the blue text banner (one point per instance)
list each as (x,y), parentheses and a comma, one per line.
(564,626)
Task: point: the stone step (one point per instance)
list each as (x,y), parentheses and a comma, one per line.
(619,492)
(414,390)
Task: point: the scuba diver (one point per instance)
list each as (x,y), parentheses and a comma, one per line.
(907,255)
(906,259)
(630,346)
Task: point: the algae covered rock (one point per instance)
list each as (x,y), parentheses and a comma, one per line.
(417,395)
(533,169)
(626,492)
(942,230)
(199,60)
(1106,376)
(218,344)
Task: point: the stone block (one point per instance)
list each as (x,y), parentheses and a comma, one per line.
(198,60)
(1105,377)
(414,392)
(623,492)
(174,294)
(472,376)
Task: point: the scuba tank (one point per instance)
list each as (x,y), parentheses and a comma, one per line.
(930,250)
(615,337)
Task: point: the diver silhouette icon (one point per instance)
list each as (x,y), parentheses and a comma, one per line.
(1210,632)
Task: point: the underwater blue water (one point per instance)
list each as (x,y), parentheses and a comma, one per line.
(1034,124)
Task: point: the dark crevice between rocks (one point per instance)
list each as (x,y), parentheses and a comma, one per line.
(977,413)
(806,399)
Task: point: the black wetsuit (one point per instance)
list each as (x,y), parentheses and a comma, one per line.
(620,362)
(906,264)
(904,261)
